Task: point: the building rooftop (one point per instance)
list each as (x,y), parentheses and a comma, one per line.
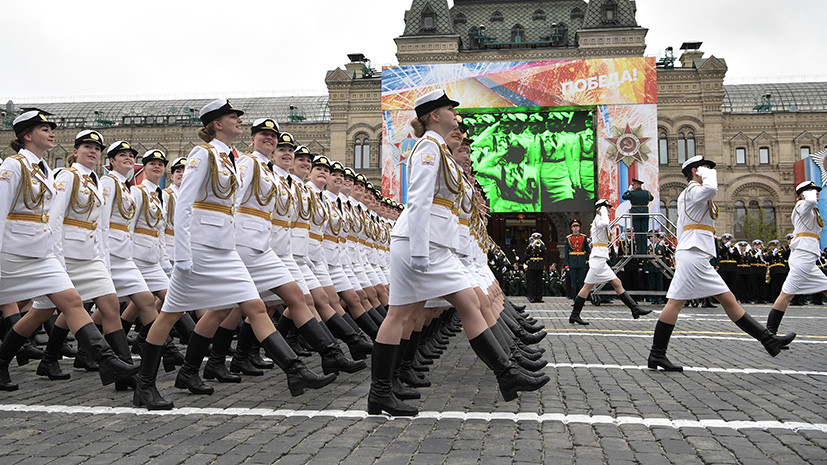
(305,109)
(786,96)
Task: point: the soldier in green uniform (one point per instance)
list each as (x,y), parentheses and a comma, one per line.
(535,255)
(575,256)
(639,198)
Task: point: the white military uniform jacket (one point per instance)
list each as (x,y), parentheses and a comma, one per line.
(170,199)
(255,199)
(430,215)
(696,225)
(149,225)
(284,211)
(807,224)
(75,213)
(334,231)
(204,214)
(300,219)
(318,221)
(25,231)
(600,236)
(117,216)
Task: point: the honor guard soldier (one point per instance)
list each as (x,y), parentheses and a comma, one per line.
(804,277)
(170,197)
(639,198)
(694,276)
(575,255)
(535,260)
(727,260)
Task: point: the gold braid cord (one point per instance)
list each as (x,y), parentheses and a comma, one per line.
(315,207)
(283,208)
(338,227)
(31,200)
(301,191)
(149,217)
(262,198)
(221,191)
(117,199)
(73,196)
(170,208)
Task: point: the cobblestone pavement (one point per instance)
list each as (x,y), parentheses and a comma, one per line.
(734,404)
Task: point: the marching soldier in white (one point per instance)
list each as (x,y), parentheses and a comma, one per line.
(695,278)
(29,267)
(208,271)
(117,220)
(316,297)
(365,273)
(259,189)
(170,197)
(599,271)
(74,221)
(423,265)
(804,277)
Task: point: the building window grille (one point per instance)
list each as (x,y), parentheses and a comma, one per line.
(763,156)
(517,34)
(428,18)
(663,149)
(681,148)
(740,156)
(361,153)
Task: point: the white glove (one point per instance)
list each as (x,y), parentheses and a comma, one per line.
(810,194)
(631,187)
(604,212)
(184,266)
(420,263)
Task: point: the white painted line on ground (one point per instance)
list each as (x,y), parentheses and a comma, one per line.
(674,336)
(462,416)
(747,371)
(565,312)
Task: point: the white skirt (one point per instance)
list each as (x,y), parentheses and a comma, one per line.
(804,277)
(383,280)
(295,271)
(437,303)
(126,277)
(90,278)
(309,277)
(154,276)
(354,281)
(371,273)
(218,280)
(321,273)
(445,274)
(23,278)
(694,277)
(340,280)
(359,272)
(599,272)
(387,273)
(266,269)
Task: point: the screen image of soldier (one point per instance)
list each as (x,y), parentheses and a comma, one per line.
(575,254)
(535,255)
(639,198)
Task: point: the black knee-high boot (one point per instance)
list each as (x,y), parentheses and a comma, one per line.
(27,351)
(12,342)
(367,325)
(774,321)
(256,359)
(290,333)
(382,311)
(637,312)
(516,356)
(376,316)
(771,342)
(146,393)
(358,346)
(299,377)
(111,367)
(117,341)
(215,367)
(660,341)
(49,365)
(65,349)
(401,391)
(406,372)
(575,311)
(509,377)
(187,377)
(241,359)
(333,360)
(184,327)
(381,397)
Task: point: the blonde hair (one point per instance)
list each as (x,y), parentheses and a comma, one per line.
(207,133)
(418,125)
(71,159)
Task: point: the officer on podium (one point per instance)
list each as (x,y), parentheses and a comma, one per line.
(639,198)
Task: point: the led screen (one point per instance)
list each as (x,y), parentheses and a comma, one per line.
(534,161)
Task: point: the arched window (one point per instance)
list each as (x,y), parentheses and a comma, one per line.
(577,14)
(739,214)
(690,145)
(768,212)
(517,34)
(740,156)
(610,11)
(497,17)
(459,19)
(539,15)
(663,148)
(681,148)
(428,18)
(58,162)
(361,152)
